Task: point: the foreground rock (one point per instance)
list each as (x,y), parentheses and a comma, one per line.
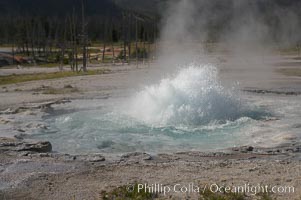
(29,170)
(17,145)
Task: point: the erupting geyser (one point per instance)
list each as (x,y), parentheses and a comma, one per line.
(193,97)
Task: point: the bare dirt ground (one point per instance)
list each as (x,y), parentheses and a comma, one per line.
(29,175)
(28,170)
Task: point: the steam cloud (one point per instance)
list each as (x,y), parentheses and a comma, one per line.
(243,26)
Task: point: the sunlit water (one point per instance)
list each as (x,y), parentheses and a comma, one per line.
(188,111)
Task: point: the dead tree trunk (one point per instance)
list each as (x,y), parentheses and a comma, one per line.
(149,49)
(63,45)
(84,38)
(155,39)
(72,53)
(112,41)
(73,38)
(129,37)
(144,46)
(104,42)
(124,37)
(13,52)
(75,47)
(136,42)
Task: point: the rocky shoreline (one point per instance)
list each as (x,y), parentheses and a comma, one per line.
(30,170)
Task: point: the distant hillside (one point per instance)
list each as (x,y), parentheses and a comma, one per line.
(152,7)
(57,7)
(113,7)
(215,16)
(93,7)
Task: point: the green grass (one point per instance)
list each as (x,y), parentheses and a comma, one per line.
(290,71)
(49,65)
(26,65)
(60,90)
(53,65)
(13,79)
(265,196)
(290,50)
(123,193)
(208,195)
(131,193)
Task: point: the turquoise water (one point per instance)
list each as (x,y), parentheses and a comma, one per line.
(95,131)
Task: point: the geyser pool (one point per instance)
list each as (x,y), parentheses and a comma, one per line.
(190,110)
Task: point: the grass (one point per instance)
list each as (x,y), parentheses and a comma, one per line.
(123,193)
(290,50)
(49,65)
(290,71)
(13,79)
(108,59)
(208,195)
(265,196)
(45,65)
(59,90)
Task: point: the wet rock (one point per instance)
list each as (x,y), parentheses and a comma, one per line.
(29,112)
(259,91)
(20,136)
(91,158)
(33,106)
(21,130)
(7,142)
(68,86)
(297,149)
(293,149)
(137,156)
(105,144)
(4,121)
(250,148)
(296,126)
(36,147)
(36,126)
(253,169)
(53,155)
(18,145)
(243,149)
(42,126)
(95,158)
(9,111)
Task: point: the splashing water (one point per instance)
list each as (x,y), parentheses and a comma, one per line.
(192,97)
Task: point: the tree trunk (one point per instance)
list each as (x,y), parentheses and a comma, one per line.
(13,52)
(129,38)
(124,37)
(144,46)
(103,52)
(136,42)
(84,38)
(113,52)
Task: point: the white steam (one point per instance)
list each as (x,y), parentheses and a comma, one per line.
(244,27)
(193,96)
